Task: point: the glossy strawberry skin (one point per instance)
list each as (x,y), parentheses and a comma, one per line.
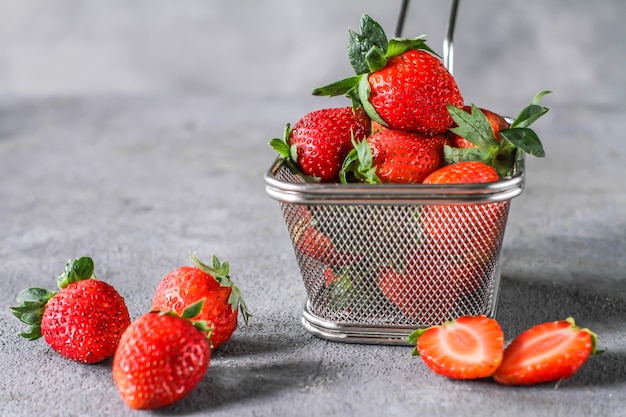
(189,284)
(160,360)
(411,93)
(471,172)
(497,122)
(323,138)
(470,234)
(544,353)
(469,347)
(85,320)
(405,157)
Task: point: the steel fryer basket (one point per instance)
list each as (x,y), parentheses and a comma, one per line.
(378,261)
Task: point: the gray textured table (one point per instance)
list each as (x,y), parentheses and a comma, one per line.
(139,183)
(135,133)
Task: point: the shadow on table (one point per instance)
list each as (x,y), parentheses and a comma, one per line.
(225,385)
(523,304)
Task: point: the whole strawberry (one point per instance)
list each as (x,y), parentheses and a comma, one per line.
(320,140)
(222,299)
(546,352)
(394,156)
(161,358)
(83,321)
(399,82)
(421,292)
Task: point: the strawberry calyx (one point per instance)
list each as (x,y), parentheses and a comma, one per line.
(412,339)
(78,270)
(189,313)
(358,165)
(475,127)
(220,271)
(32,301)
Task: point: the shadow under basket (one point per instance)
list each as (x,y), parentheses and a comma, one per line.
(379,261)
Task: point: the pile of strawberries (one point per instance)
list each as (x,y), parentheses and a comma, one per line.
(407,123)
(160,357)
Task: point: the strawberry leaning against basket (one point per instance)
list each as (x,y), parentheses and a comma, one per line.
(397,202)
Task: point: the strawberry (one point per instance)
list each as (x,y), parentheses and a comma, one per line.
(161,358)
(469,347)
(399,82)
(83,321)
(319,142)
(421,292)
(496,121)
(498,149)
(186,285)
(394,156)
(471,234)
(546,352)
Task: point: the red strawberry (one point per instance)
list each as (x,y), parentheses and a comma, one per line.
(546,352)
(411,93)
(222,299)
(496,121)
(471,234)
(399,82)
(320,141)
(470,172)
(421,292)
(161,358)
(394,156)
(469,347)
(83,321)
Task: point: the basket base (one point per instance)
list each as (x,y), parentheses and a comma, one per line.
(334,332)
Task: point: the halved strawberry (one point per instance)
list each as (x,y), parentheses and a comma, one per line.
(546,352)
(469,347)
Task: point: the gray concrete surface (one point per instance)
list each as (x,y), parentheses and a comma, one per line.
(121,138)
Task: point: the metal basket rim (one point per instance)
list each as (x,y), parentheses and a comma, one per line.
(386,194)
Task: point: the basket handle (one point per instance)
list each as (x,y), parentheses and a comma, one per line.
(448,42)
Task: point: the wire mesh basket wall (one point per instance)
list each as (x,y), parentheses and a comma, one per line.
(378,261)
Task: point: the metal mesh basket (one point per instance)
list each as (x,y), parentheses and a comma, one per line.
(378,261)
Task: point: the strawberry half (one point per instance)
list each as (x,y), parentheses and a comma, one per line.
(469,347)
(83,321)
(400,82)
(546,352)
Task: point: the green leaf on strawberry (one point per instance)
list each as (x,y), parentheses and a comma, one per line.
(78,270)
(475,127)
(220,271)
(372,37)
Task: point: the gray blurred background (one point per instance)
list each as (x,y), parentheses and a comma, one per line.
(505,50)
